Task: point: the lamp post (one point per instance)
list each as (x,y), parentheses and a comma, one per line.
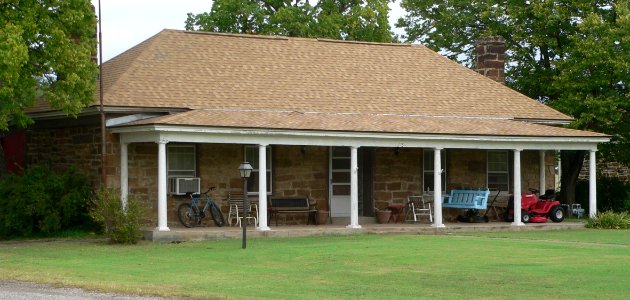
(246,170)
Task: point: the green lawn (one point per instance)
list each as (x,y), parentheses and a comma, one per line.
(572,264)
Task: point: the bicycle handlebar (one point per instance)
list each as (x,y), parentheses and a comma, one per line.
(204,193)
(212,188)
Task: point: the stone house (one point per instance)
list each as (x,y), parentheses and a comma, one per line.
(351,125)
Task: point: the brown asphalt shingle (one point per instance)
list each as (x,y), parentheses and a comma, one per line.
(363,122)
(211,70)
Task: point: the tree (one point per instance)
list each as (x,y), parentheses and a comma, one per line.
(364,20)
(570,54)
(46,53)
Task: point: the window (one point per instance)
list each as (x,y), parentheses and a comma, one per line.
(181,161)
(497,169)
(427,169)
(251,155)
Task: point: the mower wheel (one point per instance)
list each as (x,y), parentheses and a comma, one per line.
(525,217)
(557,214)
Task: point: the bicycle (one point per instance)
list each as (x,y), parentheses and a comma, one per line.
(190,215)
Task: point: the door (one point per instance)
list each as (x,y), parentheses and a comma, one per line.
(339,167)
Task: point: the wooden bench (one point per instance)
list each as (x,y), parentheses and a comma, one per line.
(290,205)
(467,199)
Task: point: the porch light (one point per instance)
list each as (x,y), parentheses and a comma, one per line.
(246,170)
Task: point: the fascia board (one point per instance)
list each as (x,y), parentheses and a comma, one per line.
(154,133)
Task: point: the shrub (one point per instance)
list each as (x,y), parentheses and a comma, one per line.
(609,220)
(121,226)
(42,203)
(612,194)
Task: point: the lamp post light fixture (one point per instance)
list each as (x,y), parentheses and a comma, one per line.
(246,170)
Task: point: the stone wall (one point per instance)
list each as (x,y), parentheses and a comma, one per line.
(62,148)
(301,171)
(397,175)
(142,168)
(295,173)
(467,168)
(217,165)
(607,169)
(80,146)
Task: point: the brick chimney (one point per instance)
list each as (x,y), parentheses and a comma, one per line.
(491,57)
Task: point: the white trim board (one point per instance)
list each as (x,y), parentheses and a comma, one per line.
(185,134)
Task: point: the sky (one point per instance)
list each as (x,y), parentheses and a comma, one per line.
(126,23)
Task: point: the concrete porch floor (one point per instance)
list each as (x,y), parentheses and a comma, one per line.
(284,231)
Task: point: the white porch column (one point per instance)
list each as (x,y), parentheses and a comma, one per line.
(559,175)
(354,189)
(517,188)
(592,184)
(437,188)
(262,188)
(162,209)
(124,175)
(542,174)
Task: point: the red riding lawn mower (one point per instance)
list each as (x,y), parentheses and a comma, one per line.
(536,209)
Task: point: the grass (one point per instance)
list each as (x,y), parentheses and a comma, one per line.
(556,264)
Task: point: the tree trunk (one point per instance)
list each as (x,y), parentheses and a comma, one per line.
(571,166)
(3,163)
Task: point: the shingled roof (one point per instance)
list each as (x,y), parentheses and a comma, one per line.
(362,122)
(193,70)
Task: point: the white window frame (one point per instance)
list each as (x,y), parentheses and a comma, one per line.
(256,170)
(193,172)
(506,173)
(426,172)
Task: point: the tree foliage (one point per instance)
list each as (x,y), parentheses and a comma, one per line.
(573,55)
(42,202)
(46,50)
(364,20)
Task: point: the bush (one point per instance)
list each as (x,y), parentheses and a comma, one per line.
(121,226)
(609,220)
(42,203)
(612,194)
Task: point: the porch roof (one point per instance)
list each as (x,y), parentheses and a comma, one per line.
(363,122)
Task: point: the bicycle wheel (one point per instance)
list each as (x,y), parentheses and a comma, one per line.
(187,215)
(217,215)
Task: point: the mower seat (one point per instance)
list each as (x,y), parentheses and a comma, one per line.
(549,194)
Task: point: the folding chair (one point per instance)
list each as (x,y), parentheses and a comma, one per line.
(235,217)
(417,207)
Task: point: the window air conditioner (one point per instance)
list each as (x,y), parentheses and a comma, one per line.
(183,185)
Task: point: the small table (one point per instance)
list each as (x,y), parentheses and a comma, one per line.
(397,213)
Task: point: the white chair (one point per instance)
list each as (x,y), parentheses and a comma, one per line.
(235,200)
(417,207)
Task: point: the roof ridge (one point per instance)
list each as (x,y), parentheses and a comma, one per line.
(363,42)
(230,34)
(287,38)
